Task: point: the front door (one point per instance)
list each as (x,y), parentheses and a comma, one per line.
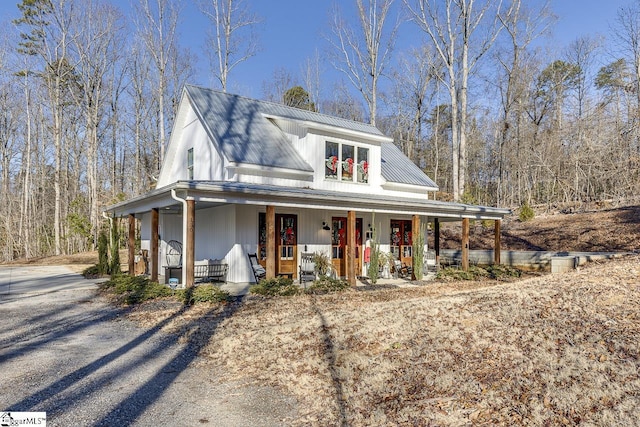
(339,245)
(286,243)
(401,240)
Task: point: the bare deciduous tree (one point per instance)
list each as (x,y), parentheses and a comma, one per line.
(363,54)
(233,39)
(452,28)
(158,29)
(98,47)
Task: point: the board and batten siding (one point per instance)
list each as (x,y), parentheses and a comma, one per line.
(208,165)
(169,228)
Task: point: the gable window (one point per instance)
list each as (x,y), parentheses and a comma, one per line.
(346,162)
(190,164)
(331,160)
(363,164)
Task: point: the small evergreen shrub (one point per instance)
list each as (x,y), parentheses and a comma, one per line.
(326,285)
(134,290)
(203,293)
(474,273)
(496,272)
(503,272)
(526,213)
(103,254)
(279,286)
(418,253)
(92,272)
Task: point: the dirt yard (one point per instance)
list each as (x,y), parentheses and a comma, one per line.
(547,350)
(550,350)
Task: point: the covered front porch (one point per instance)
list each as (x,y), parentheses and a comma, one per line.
(228,221)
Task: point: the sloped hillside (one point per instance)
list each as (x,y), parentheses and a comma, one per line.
(607,230)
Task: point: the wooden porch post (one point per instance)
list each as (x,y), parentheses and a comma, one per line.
(415,229)
(132,244)
(465,244)
(436,240)
(351,248)
(191,243)
(271,242)
(496,245)
(154,244)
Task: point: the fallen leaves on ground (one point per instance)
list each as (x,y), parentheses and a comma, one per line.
(549,350)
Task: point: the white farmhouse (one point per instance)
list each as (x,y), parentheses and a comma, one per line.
(243,176)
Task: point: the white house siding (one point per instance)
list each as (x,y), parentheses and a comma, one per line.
(215,232)
(145,230)
(169,228)
(207,163)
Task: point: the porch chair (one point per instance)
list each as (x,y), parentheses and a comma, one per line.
(400,270)
(259,272)
(307,268)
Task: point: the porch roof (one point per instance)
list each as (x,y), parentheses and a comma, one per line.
(213,193)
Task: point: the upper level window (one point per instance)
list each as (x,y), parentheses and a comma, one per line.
(332,159)
(363,164)
(190,164)
(346,162)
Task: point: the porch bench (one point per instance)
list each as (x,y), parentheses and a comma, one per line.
(210,270)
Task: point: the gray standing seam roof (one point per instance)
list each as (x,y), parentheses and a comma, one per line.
(242,132)
(396,167)
(246,136)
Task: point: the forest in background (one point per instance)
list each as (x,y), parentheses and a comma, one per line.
(88,95)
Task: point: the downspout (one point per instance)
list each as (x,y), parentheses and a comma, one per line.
(175,197)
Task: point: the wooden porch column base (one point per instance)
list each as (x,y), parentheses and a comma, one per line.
(190,244)
(496,245)
(271,242)
(351,248)
(154,244)
(465,244)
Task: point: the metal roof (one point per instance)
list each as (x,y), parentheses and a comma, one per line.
(242,132)
(280,110)
(396,167)
(262,194)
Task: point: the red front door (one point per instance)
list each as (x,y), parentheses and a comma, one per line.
(339,245)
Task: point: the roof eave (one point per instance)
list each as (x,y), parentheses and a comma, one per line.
(328,128)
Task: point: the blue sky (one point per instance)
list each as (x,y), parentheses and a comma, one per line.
(293,29)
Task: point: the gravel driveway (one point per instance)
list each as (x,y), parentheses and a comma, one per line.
(65,351)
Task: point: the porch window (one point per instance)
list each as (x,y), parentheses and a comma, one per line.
(346,162)
(190,164)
